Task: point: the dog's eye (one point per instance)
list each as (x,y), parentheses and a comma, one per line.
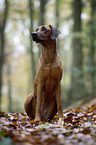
(37,29)
(44,30)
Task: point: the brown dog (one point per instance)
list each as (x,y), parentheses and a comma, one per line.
(45,100)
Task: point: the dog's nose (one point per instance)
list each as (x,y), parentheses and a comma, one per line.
(34,34)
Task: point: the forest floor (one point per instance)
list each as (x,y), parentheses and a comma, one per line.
(79,128)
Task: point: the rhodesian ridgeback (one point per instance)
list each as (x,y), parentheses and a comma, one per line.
(45,100)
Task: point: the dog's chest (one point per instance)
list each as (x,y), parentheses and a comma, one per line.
(53,77)
(52,73)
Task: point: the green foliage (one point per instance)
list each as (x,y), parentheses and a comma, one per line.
(6,141)
(44,126)
(2,133)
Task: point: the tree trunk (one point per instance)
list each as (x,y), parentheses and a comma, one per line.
(31,45)
(42,17)
(57,19)
(2,45)
(42,12)
(9,88)
(92,45)
(77,83)
(1,64)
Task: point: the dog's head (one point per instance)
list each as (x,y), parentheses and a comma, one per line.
(45,33)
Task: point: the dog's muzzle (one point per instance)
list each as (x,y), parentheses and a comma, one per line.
(37,38)
(34,36)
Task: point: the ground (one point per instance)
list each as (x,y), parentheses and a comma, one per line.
(79,128)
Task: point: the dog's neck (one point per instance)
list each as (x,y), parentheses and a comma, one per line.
(49,51)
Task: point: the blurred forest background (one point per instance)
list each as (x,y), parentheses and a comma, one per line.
(76,19)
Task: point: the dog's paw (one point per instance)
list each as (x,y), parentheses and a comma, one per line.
(37,119)
(61,121)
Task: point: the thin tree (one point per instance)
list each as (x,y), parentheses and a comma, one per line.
(92,37)
(42,12)
(33,68)
(3,21)
(42,16)
(77,83)
(9,88)
(57,19)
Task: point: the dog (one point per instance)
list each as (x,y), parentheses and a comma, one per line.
(45,100)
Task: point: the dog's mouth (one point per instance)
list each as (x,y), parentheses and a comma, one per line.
(37,38)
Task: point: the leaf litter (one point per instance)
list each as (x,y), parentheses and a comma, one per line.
(79,128)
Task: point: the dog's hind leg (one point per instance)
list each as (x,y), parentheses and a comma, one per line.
(30,106)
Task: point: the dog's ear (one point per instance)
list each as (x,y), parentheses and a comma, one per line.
(54,33)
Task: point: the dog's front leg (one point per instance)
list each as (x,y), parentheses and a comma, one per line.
(58,101)
(39,100)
